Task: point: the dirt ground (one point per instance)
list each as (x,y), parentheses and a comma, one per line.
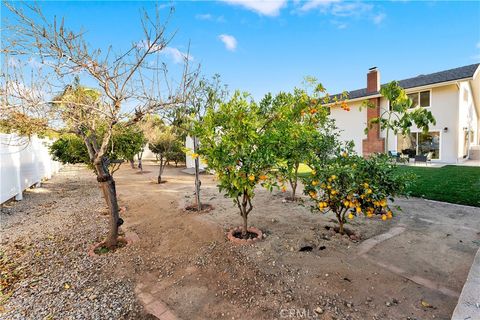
(183,259)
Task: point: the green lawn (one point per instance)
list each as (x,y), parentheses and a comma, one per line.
(454,184)
(304,169)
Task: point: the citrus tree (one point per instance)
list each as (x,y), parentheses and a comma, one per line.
(124,144)
(234,142)
(161,141)
(127,142)
(69,148)
(401,114)
(162,146)
(297,130)
(350,186)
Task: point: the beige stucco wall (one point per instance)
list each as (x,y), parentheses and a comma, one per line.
(351,123)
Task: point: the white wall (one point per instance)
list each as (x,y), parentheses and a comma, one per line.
(23,163)
(444,102)
(444,108)
(351,123)
(189,161)
(467,118)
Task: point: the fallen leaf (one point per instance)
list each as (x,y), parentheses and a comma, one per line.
(426,304)
(66,286)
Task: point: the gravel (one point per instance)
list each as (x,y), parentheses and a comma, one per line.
(46,238)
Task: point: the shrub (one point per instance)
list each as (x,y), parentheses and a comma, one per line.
(351,186)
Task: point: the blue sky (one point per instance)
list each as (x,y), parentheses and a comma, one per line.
(271,45)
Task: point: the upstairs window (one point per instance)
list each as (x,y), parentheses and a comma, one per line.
(421,99)
(425,99)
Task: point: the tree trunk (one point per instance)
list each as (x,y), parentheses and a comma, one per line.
(140,166)
(160,171)
(340,223)
(132,163)
(110,193)
(387,131)
(340,227)
(197,176)
(107,184)
(294,182)
(245,226)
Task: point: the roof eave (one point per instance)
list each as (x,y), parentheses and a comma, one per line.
(428,86)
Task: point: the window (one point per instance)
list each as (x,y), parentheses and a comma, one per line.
(418,143)
(414,98)
(425,99)
(421,99)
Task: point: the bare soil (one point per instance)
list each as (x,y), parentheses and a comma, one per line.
(184,259)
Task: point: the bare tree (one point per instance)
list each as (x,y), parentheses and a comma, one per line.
(136,76)
(205,94)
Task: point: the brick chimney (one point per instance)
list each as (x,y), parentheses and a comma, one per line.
(373,143)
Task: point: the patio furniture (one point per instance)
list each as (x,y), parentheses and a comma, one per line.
(422,158)
(404,158)
(395,155)
(409,152)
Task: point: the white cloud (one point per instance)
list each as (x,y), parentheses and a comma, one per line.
(229,41)
(176,55)
(339,25)
(378,18)
(263,7)
(205,16)
(210,17)
(314,4)
(343,9)
(350,9)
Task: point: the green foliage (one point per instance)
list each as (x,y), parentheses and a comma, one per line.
(234,142)
(400,117)
(301,130)
(69,148)
(350,185)
(163,142)
(177,153)
(124,144)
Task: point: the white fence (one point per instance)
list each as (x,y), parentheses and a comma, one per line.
(23,163)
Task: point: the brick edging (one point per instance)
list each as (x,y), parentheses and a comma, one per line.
(236,240)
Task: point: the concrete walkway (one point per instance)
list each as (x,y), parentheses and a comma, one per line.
(468,307)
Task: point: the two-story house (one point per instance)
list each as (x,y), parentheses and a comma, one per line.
(453,97)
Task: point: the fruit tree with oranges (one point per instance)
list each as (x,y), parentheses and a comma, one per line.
(235,145)
(302,122)
(351,186)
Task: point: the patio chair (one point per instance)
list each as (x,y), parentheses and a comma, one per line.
(394,155)
(421,158)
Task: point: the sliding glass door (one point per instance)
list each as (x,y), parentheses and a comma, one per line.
(419,143)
